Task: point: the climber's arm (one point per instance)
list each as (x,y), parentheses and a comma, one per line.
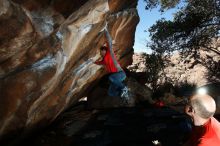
(108,40)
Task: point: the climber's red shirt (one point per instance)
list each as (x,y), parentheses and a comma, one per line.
(206,135)
(109,61)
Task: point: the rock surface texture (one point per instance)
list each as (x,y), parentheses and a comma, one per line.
(47,49)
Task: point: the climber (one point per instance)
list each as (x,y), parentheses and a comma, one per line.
(117,75)
(206,130)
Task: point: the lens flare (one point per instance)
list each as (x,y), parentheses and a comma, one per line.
(202,91)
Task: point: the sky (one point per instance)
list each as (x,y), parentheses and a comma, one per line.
(147,19)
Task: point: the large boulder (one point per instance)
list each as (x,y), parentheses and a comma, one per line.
(47,52)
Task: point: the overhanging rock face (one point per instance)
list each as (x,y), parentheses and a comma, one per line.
(47,50)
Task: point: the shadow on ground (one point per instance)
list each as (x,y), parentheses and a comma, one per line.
(137,126)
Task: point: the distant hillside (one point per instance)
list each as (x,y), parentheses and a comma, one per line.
(197,70)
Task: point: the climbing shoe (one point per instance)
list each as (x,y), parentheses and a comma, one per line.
(124,93)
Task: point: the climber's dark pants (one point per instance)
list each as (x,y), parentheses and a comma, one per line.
(116,84)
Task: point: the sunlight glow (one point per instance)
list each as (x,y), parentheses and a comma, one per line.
(202,91)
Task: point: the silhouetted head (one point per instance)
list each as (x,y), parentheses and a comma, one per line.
(200,108)
(103,50)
